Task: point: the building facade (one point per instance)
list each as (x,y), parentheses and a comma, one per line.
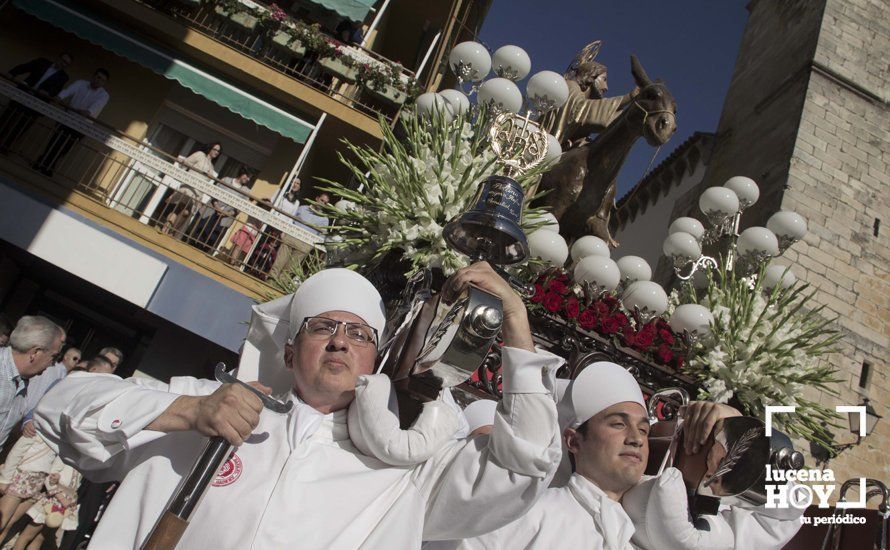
(103,222)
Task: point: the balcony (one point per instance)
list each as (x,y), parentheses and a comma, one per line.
(144,194)
(353,76)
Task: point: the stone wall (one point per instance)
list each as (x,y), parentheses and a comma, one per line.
(838,179)
(807,117)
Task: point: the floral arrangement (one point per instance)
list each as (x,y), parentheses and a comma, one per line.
(377,75)
(276,13)
(298,270)
(556,295)
(412,188)
(765,349)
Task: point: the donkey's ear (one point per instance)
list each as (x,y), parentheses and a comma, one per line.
(639,74)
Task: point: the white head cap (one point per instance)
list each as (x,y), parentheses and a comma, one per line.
(480,413)
(337,289)
(595,389)
(273,323)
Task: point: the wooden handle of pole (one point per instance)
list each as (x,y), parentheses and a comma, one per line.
(167,532)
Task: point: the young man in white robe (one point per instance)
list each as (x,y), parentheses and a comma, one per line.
(606,435)
(298,480)
(479,417)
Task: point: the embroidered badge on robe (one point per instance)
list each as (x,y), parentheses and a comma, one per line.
(229,472)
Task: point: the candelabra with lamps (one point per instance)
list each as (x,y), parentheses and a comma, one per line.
(722,207)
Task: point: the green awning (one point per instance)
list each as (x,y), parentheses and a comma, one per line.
(92,29)
(356,10)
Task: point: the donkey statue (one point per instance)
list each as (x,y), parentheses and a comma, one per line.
(582,184)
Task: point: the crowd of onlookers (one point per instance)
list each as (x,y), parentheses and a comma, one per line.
(203,222)
(45,503)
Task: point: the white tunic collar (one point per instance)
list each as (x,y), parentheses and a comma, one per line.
(609,517)
(305,422)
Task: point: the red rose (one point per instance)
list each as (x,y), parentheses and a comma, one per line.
(679,361)
(558,287)
(610,301)
(539,294)
(666,336)
(664,354)
(562,277)
(645,336)
(622,320)
(630,337)
(611,325)
(602,310)
(553,302)
(587,319)
(573,308)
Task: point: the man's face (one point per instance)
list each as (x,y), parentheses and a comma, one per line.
(4,339)
(324,198)
(244,179)
(601,84)
(112,358)
(326,367)
(295,185)
(39,358)
(71,358)
(614,451)
(98,80)
(63,62)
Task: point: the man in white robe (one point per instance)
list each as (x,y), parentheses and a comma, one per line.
(297,480)
(606,435)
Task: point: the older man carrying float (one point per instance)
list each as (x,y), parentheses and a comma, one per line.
(606,435)
(298,480)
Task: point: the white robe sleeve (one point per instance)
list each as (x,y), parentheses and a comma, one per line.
(760,528)
(477,485)
(658,508)
(94,420)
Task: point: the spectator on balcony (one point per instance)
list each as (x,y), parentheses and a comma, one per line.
(350,32)
(264,256)
(310,218)
(202,160)
(180,205)
(215,218)
(242,240)
(86,98)
(44,79)
(290,202)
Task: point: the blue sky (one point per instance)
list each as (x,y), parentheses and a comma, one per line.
(690,44)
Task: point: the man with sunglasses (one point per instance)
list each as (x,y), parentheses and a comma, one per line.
(301,479)
(35,344)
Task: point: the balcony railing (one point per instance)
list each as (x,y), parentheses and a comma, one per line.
(110,168)
(350,74)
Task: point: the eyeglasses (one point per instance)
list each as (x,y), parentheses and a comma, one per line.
(322,328)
